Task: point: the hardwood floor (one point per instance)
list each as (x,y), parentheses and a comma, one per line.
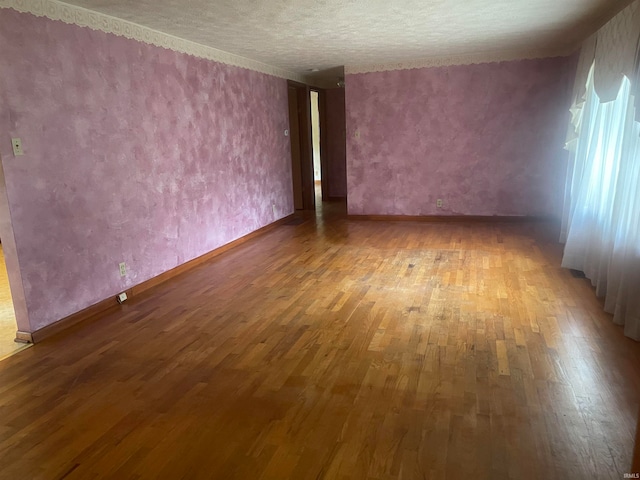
(338,349)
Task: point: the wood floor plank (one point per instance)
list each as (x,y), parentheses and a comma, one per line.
(338,349)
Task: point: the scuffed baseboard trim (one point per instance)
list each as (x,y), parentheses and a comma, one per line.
(23,337)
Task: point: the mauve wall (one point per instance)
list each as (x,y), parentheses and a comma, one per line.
(336,142)
(132,153)
(487,139)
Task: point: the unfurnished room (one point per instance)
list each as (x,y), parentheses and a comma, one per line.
(330,239)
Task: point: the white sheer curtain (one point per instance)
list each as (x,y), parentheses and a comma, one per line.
(601,225)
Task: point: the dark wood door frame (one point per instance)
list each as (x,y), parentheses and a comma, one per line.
(294,138)
(635,467)
(302,93)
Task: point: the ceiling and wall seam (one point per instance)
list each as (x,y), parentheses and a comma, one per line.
(452,60)
(83,17)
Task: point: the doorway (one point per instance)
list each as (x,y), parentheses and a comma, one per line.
(307,136)
(8,326)
(10,323)
(315,139)
(301,147)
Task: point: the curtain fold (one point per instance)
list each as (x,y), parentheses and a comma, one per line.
(615,52)
(601,224)
(635,81)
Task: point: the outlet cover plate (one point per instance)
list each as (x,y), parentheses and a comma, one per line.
(16,144)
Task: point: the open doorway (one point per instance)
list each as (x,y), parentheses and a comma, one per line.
(315,140)
(307,136)
(10,323)
(301,148)
(8,326)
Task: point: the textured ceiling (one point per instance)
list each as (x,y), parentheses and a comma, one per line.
(299,35)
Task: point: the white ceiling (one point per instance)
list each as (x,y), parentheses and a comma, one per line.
(299,35)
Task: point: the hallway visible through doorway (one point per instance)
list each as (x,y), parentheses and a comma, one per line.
(7,315)
(315,137)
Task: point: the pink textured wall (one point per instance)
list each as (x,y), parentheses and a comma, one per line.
(132,153)
(487,139)
(336,142)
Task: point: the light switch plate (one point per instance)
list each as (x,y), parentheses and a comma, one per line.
(16,143)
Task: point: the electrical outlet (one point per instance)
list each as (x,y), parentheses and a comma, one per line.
(273,207)
(439,203)
(16,144)
(123,269)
